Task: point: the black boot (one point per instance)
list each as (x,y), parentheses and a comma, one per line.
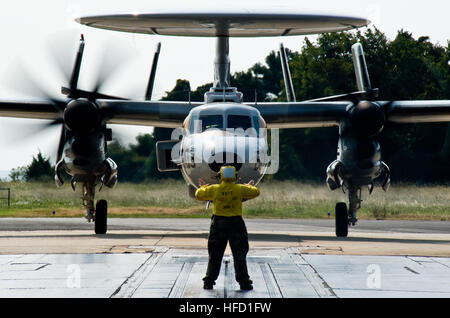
(247,285)
(207,284)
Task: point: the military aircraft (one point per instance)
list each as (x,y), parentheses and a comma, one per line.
(228,131)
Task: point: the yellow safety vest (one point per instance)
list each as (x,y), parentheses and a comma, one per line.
(227,197)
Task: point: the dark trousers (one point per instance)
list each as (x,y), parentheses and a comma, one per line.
(223,230)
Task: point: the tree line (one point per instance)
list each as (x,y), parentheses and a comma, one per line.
(404,68)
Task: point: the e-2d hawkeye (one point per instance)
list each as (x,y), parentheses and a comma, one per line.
(223,130)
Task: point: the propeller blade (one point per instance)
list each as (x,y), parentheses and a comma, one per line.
(63,48)
(29,129)
(20,81)
(112,58)
(109,65)
(61,144)
(151,81)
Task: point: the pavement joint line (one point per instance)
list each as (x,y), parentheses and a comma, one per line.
(226,278)
(160,239)
(271,282)
(132,283)
(316,281)
(393,290)
(416,261)
(275,279)
(179,286)
(436,259)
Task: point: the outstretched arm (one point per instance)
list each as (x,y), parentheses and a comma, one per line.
(205,192)
(248,191)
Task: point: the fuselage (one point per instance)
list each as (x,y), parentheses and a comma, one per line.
(221,134)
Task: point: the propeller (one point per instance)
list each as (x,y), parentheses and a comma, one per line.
(366,116)
(77,113)
(108,65)
(20,80)
(81,114)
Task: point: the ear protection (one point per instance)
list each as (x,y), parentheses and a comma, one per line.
(227,172)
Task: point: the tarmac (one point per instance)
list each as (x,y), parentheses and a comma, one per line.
(167,258)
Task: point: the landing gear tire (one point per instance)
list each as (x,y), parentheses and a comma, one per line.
(101,214)
(341,219)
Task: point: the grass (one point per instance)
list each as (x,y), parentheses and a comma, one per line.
(286,199)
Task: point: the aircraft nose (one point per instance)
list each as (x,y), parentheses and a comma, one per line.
(225,159)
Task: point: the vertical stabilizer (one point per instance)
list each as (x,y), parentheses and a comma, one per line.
(290,94)
(151,80)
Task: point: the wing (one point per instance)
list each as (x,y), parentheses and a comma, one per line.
(44,109)
(276,115)
(302,114)
(326,114)
(144,113)
(417,111)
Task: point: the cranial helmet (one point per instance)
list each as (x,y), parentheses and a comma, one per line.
(228,173)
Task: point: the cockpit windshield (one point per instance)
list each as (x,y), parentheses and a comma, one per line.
(211,121)
(239,121)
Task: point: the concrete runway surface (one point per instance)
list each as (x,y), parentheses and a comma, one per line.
(167,258)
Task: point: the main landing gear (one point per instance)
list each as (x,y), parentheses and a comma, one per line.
(100,214)
(345,217)
(90,176)
(341,216)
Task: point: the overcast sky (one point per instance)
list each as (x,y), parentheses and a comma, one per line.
(29,28)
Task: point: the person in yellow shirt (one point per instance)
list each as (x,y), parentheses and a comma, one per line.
(227,225)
